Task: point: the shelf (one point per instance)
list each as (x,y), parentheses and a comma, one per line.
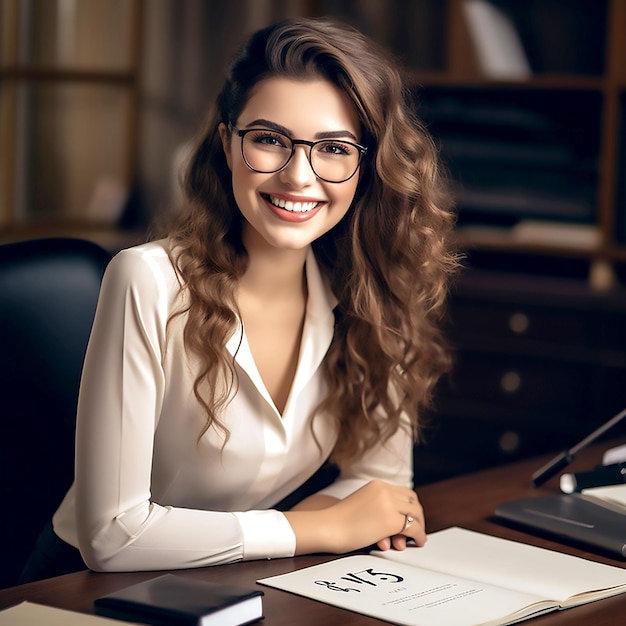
(65,74)
(576,86)
(534,237)
(539,82)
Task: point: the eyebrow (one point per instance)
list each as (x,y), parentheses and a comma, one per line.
(331,134)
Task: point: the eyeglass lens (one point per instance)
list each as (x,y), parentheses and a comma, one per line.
(269,151)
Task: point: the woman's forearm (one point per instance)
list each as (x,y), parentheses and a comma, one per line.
(311,528)
(315,503)
(376,513)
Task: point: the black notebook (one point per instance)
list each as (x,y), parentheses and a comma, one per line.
(171,600)
(571,517)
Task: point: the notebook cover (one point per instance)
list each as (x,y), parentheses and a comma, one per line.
(170,600)
(571,517)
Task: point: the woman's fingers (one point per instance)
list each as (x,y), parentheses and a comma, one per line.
(384,544)
(379,513)
(401,504)
(413,524)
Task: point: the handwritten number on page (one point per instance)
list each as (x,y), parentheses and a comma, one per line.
(364,577)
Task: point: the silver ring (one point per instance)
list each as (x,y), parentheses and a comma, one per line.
(408,522)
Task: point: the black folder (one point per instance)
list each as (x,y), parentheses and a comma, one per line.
(572,517)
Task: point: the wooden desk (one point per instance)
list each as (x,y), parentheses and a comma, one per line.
(467,501)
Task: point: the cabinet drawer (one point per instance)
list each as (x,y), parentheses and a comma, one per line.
(472,321)
(539,385)
(458,446)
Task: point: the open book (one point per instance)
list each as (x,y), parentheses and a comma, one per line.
(612,495)
(460,578)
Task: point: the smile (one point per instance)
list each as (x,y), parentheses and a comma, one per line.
(292,207)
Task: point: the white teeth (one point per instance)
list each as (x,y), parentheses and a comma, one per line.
(294,207)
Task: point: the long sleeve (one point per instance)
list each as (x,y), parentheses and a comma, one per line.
(150,492)
(124,394)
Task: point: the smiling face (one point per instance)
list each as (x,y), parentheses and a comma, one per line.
(291,208)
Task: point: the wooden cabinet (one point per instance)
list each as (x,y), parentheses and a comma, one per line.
(537,155)
(539,160)
(540,363)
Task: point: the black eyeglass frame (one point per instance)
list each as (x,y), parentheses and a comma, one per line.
(362,150)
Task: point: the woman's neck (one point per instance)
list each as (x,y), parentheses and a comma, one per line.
(274,273)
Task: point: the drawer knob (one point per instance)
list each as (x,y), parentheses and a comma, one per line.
(519,323)
(511,382)
(509,442)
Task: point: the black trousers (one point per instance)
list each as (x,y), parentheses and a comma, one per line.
(51,556)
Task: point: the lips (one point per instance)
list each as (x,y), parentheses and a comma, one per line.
(291,205)
(294,211)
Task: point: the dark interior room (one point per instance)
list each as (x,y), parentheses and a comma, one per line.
(379,349)
(100,99)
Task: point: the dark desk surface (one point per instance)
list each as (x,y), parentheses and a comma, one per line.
(467,501)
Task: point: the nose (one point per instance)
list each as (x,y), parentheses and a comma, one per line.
(298,172)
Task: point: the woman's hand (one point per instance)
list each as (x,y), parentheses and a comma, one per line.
(378,513)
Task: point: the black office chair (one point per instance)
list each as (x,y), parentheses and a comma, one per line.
(48,294)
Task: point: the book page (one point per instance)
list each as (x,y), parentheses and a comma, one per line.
(31,614)
(545,573)
(403,594)
(612,494)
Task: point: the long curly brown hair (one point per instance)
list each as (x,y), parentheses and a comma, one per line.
(388,261)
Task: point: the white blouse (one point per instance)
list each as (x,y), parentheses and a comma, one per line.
(148,494)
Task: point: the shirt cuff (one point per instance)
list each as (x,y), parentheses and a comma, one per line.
(266,535)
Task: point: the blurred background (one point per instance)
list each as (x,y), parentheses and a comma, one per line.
(99,96)
(525,98)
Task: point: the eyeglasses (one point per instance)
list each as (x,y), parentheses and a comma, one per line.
(268,151)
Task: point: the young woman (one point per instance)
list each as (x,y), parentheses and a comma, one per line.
(290,316)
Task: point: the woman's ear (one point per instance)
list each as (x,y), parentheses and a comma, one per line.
(225,137)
